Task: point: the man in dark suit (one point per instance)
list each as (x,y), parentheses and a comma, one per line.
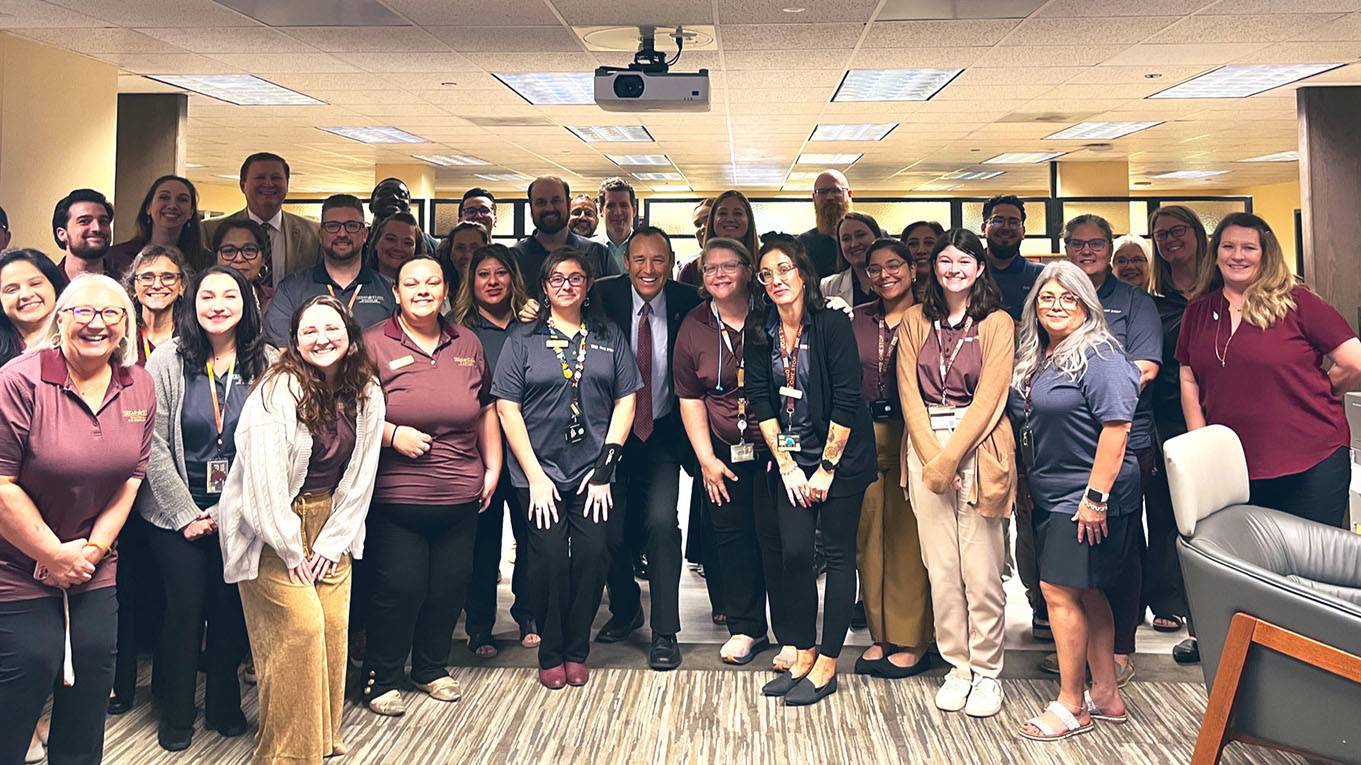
(294,241)
(649,306)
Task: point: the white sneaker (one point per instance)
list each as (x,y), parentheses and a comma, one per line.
(953,694)
(985,700)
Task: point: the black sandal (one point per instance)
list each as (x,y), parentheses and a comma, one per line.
(1176,620)
(477,642)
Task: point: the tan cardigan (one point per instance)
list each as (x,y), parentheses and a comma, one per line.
(984,428)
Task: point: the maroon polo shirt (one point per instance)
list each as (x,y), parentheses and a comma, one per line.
(961,380)
(332,448)
(441,394)
(868,331)
(701,362)
(69,460)
(1271,389)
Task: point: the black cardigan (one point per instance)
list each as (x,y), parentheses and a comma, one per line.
(833,391)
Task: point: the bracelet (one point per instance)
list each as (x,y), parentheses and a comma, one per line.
(102,548)
(1096,508)
(606,463)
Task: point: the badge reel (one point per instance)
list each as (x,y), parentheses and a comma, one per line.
(882,409)
(576,431)
(1027,447)
(216,479)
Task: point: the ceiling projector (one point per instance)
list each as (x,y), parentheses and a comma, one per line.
(648,85)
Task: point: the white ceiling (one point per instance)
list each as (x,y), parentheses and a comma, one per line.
(1031,69)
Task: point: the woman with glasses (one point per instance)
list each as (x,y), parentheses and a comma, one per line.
(63,500)
(954,367)
(920,238)
(243,244)
(568,377)
(892,577)
(805,396)
(29,285)
(156,280)
(202,377)
(168,217)
(855,233)
(1074,392)
(291,518)
(1131,260)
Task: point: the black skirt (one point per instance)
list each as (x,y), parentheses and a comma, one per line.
(1066,562)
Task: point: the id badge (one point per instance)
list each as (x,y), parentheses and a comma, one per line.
(576,432)
(789,392)
(882,409)
(943,417)
(742,453)
(788,442)
(216,478)
(1027,448)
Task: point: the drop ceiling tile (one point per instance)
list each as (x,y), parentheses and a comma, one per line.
(1282,6)
(1125,75)
(258,39)
(130,83)
(1347,75)
(32,14)
(1305,53)
(777,78)
(168,63)
(455,97)
(736,37)
(935,58)
(790,94)
(1210,54)
(424,63)
(1079,55)
(155,13)
(1105,8)
(635,12)
(1345,28)
(365,97)
(474,13)
(100,40)
(1036,75)
(955,92)
(690,60)
(813,59)
(1086,32)
(533,62)
(1132,90)
(284,62)
(1213,29)
(938,34)
(776,108)
(772,11)
(554,39)
(395,41)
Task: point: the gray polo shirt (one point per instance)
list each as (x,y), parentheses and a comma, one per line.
(369,297)
(530,254)
(1133,319)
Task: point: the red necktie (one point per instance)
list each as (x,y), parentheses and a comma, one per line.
(642,413)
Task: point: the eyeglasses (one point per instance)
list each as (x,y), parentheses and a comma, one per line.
(1067,301)
(230,253)
(1078,245)
(830,191)
(892,268)
(350,226)
(727,268)
(84,314)
(166,278)
(784,270)
(998,221)
(1176,232)
(557,280)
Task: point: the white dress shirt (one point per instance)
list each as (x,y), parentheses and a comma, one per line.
(661,365)
(278,243)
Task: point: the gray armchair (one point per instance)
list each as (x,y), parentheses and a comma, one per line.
(1276,603)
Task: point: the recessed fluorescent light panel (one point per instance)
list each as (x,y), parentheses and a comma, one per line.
(1087,131)
(239,89)
(659,176)
(1024,157)
(450,160)
(972,175)
(609,133)
(893,84)
(1243,80)
(828,159)
(864,131)
(1188,175)
(640,160)
(375,134)
(672,188)
(937,187)
(756,176)
(1280,156)
(551,88)
(503,177)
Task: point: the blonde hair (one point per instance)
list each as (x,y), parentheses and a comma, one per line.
(1070,355)
(1268,299)
(125,353)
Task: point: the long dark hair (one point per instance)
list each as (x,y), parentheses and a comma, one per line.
(191,233)
(791,246)
(317,403)
(195,348)
(984,296)
(590,314)
(257,232)
(865,219)
(11,344)
(465,305)
(749,239)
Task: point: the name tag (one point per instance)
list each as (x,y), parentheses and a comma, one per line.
(789,392)
(943,417)
(216,476)
(404,361)
(742,453)
(555,343)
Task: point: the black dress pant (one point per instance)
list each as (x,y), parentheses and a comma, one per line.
(481,606)
(839,519)
(32,646)
(1164,591)
(700,543)
(139,604)
(736,554)
(1318,494)
(568,565)
(195,592)
(1126,597)
(647,489)
(420,560)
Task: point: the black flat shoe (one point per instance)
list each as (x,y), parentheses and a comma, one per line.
(174,739)
(865,666)
(119,706)
(665,654)
(1186,652)
(805,693)
(890,671)
(617,631)
(782,684)
(233,726)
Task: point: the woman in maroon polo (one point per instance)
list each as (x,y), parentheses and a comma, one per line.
(75,439)
(439,470)
(1251,350)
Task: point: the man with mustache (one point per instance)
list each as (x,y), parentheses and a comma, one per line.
(584,216)
(831,202)
(292,238)
(548,195)
(81,225)
(341,273)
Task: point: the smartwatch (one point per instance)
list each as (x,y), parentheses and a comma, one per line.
(1096,496)
(827,466)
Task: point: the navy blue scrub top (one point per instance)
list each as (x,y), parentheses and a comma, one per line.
(200,432)
(1066,419)
(1133,319)
(493,338)
(529,373)
(810,441)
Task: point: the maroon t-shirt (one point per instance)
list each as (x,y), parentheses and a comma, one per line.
(442,395)
(704,367)
(69,460)
(332,447)
(1271,389)
(961,379)
(878,377)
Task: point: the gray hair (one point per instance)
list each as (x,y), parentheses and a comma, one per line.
(1144,245)
(1069,357)
(125,353)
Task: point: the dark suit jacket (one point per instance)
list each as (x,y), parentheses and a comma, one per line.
(615,297)
(303,236)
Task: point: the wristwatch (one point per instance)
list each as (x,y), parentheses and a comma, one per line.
(827,466)
(1097,496)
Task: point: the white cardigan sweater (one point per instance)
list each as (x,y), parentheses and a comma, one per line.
(272,452)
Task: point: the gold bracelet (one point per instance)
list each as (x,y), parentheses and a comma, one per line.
(102,548)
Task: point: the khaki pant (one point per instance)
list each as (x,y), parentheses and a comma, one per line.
(299,637)
(893,582)
(964,554)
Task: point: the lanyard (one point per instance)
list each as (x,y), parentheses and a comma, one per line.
(212,389)
(741,373)
(1030,386)
(573,376)
(947,360)
(882,365)
(791,369)
(146,344)
(350,305)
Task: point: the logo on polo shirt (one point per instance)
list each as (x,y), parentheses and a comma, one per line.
(464,361)
(135,415)
(604,348)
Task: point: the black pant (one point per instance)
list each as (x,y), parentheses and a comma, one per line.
(139,604)
(736,554)
(839,519)
(31,652)
(420,562)
(481,605)
(647,489)
(568,564)
(1318,494)
(1164,591)
(1126,595)
(700,543)
(194,591)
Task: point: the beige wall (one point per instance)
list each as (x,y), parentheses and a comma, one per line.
(223,198)
(58,128)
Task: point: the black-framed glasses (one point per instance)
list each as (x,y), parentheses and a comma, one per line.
(1077,245)
(84,314)
(1000,222)
(1176,232)
(1067,301)
(350,226)
(766,276)
(557,280)
(166,278)
(231,253)
(892,268)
